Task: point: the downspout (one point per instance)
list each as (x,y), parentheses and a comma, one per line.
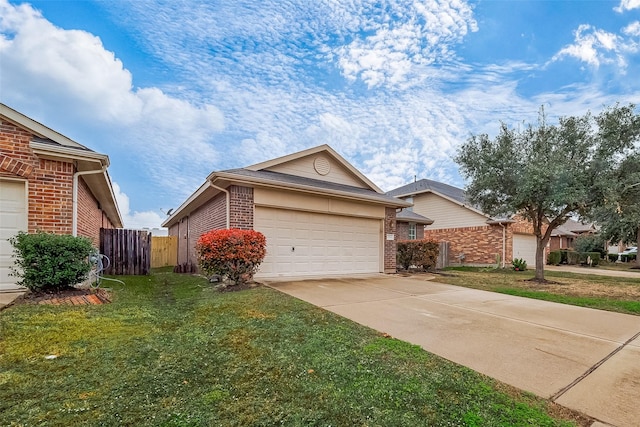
(228,204)
(74,215)
(504,243)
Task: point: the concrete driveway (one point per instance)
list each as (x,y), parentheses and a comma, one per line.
(581,358)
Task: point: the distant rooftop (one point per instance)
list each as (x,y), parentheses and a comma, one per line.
(424,185)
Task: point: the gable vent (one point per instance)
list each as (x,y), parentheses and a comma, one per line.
(322,165)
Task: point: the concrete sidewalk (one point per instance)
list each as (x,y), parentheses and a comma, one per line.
(581,358)
(594,271)
(8,297)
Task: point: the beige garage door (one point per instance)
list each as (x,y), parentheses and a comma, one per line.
(524,246)
(306,243)
(13,218)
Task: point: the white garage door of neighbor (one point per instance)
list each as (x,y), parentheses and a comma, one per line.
(524,246)
(13,218)
(306,243)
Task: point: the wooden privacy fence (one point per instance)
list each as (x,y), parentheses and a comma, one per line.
(129,251)
(443,255)
(164,251)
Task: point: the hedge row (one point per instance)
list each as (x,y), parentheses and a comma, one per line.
(417,253)
(573,258)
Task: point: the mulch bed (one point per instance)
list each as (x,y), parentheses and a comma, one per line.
(70,296)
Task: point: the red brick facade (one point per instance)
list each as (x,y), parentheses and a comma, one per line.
(210,216)
(50,187)
(241,207)
(479,245)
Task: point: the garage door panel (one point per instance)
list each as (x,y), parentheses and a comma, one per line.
(13,218)
(524,246)
(324,244)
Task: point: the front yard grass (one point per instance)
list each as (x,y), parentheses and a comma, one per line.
(618,294)
(172,351)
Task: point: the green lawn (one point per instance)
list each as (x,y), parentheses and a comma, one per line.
(171,351)
(605,293)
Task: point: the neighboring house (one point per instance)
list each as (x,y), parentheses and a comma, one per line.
(474,236)
(564,236)
(319,214)
(410,225)
(50,183)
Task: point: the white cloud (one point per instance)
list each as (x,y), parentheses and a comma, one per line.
(627,5)
(70,75)
(385,51)
(135,220)
(597,47)
(633,29)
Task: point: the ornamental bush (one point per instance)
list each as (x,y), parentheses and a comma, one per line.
(46,262)
(554,258)
(519,264)
(420,253)
(233,254)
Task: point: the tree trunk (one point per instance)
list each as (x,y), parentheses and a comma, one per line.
(541,244)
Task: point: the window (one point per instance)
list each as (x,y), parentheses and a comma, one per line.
(412,231)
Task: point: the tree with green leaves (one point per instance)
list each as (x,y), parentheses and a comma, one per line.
(548,173)
(619,215)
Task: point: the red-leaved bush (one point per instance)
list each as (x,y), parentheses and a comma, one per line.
(233,254)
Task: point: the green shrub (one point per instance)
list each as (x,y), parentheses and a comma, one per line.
(612,257)
(590,243)
(564,254)
(628,257)
(519,264)
(420,253)
(233,254)
(47,261)
(590,258)
(554,258)
(573,258)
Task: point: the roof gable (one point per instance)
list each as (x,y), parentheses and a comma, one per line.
(45,134)
(445,191)
(320,163)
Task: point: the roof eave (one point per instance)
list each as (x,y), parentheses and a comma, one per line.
(68,153)
(184,207)
(307,188)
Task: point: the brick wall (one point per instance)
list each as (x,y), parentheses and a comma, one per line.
(90,217)
(402,231)
(210,216)
(241,203)
(51,197)
(480,245)
(390,247)
(50,184)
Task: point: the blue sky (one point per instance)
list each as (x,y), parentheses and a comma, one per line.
(173,90)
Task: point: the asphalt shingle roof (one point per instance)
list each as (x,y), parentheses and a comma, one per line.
(423,185)
(286,179)
(409,216)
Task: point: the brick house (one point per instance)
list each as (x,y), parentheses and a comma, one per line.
(475,238)
(51,183)
(410,225)
(563,236)
(319,214)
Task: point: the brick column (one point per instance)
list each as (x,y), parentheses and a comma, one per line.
(241,207)
(390,247)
